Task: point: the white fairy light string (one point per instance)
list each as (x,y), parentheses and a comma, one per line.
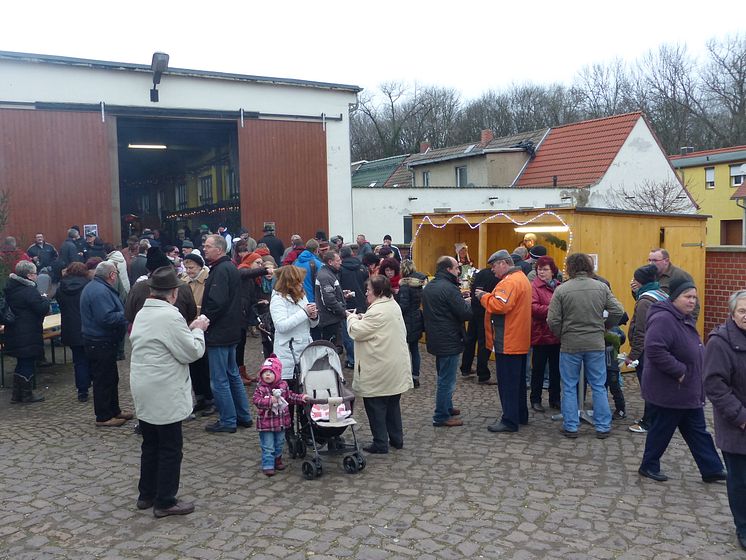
(463,218)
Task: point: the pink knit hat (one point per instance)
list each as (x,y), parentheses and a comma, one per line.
(273,364)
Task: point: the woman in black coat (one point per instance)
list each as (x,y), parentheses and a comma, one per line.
(24,335)
(410,301)
(68,296)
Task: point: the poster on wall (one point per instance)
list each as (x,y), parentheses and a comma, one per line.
(90,228)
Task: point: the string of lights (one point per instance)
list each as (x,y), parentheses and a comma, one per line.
(463,218)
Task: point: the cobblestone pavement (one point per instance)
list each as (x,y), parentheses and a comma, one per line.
(68,490)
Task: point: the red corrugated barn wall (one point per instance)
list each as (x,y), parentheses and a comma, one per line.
(283,177)
(57,168)
(725,273)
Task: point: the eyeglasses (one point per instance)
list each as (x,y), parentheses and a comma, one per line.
(655,260)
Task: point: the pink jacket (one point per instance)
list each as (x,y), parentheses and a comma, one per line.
(266,420)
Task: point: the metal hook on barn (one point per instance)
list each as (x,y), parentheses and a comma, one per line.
(323,122)
(103,114)
(241,113)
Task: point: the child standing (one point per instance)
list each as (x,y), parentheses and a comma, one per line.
(271,399)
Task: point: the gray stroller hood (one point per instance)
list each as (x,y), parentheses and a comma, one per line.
(322,380)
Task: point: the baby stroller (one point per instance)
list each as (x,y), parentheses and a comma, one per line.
(320,377)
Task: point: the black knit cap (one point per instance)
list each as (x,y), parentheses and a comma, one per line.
(646,274)
(196,258)
(537,251)
(678,286)
(156,259)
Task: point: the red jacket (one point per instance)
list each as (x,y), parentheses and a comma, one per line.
(541,295)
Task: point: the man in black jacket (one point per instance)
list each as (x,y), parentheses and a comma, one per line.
(445,311)
(221,304)
(42,253)
(352,277)
(484,280)
(275,245)
(330,299)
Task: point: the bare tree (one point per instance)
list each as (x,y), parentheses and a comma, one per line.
(724,90)
(652,196)
(603,90)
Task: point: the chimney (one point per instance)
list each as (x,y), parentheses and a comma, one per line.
(554,180)
(424,146)
(487,137)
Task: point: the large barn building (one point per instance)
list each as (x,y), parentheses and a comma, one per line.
(129,146)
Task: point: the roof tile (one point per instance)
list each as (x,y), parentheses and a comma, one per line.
(578,154)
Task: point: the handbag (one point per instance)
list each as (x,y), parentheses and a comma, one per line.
(7,315)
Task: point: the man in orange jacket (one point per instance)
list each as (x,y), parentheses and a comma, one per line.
(507,323)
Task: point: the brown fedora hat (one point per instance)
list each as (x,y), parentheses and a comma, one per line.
(164,278)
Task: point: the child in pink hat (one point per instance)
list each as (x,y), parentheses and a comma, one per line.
(271,399)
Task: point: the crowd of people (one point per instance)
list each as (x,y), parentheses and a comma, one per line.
(189,306)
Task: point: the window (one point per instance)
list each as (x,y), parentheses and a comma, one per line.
(461,176)
(233,192)
(145,203)
(205,189)
(181,196)
(736,174)
(709,177)
(425,178)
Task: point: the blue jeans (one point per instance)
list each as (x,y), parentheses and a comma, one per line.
(272,444)
(595,373)
(447,366)
(82,369)
(349,345)
(414,354)
(227,388)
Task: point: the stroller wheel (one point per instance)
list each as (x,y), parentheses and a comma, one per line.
(350,464)
(360,458)
(293,442)
(317,466)
(300,448)
(308,469)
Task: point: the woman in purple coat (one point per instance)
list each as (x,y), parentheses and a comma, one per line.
(725,385)
(672,384)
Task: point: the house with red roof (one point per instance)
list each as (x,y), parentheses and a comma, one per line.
(585,164)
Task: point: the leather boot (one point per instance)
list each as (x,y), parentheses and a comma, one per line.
(17,396)
(27,395)
(244,376)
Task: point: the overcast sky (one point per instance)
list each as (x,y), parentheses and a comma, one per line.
(475,47)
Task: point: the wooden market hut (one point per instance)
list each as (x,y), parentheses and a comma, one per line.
(618,240)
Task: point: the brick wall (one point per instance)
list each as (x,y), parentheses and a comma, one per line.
(725,272)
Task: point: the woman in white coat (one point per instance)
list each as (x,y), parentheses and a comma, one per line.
(162,348)
(293,317)
(382,368)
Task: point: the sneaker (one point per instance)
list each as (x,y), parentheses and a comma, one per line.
(467,373)
(450,423)
(602,435)
(620,414)
(209,410)
(245,423)
(82,397)
(179,508)
(217,428)
(568,433)
(638,428)
(111,423)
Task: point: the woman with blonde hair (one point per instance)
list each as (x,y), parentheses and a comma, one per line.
(292,315)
